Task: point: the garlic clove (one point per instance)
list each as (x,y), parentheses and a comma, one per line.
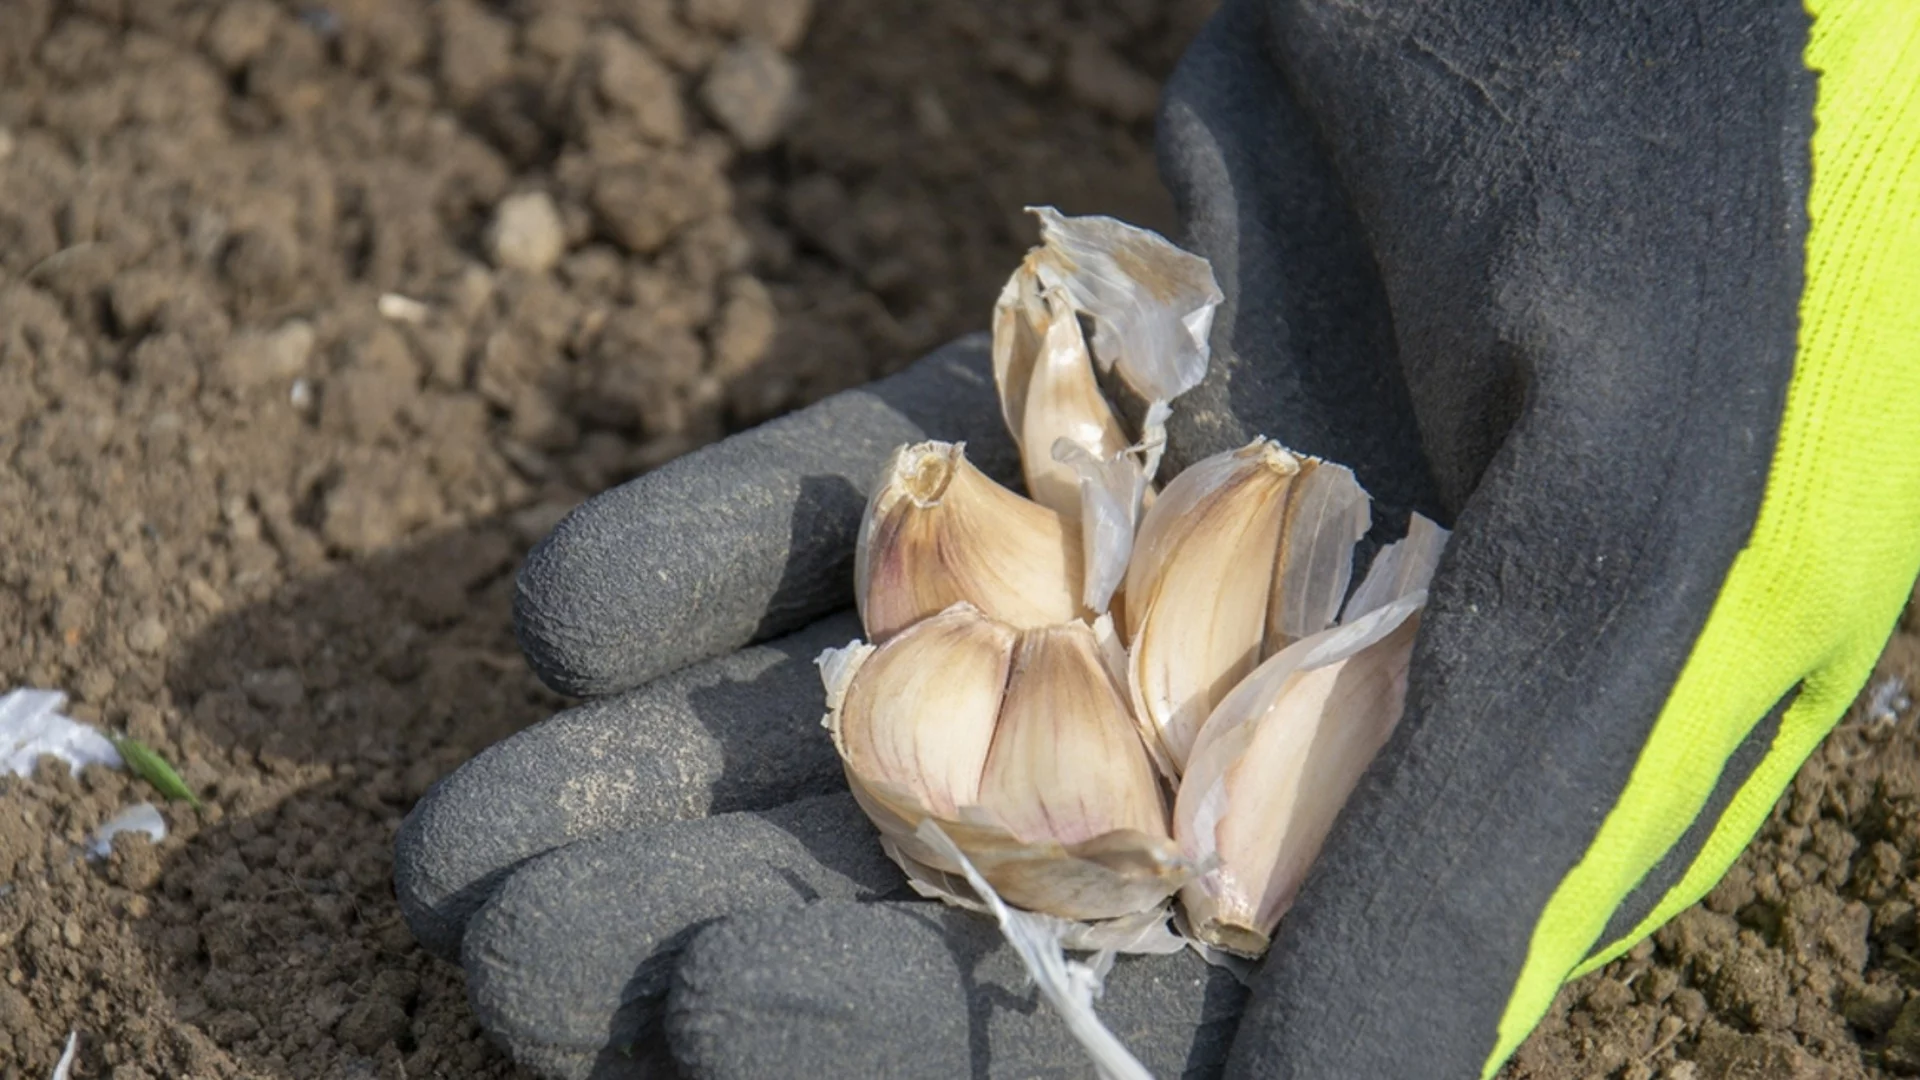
(1048,392)
(1020,745)
(1064,402)
(1020,321)
(1067,763)
(1278,759)
(938,531)
(1198,587)
(1262,796)
(920,711)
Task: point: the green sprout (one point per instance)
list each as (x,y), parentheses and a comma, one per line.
(153,769)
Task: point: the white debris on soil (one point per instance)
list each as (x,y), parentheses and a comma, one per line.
(402,309)
(527,233)
(64,1067)
(141,817)
(1888,700)
(31,725)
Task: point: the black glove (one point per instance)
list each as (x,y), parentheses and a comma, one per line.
(1536,273)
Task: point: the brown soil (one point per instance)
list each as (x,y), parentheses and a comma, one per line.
(269,528)
(1804,964)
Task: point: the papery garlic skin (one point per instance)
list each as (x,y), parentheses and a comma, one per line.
(1278,759)
(1216,569)
(1021,746)
(938,531)
(1152,304)
(1327,514)
(1113,492)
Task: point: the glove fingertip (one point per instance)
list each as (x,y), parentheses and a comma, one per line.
(910,989)
(739,541)
(831,989)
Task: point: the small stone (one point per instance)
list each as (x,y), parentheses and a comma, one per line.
(527,233)
(402,309)
(147,637)
(753,90)
(1100,79)
(256,359)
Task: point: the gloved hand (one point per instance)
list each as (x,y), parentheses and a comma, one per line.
(1590,286)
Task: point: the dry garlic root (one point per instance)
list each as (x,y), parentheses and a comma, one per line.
(1106,694)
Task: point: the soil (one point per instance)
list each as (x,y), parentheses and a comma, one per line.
(314,317)
(1804,963)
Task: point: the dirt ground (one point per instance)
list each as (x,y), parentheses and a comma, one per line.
(314,317)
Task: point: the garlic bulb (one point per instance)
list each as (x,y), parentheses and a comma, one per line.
(938,531)
(1020,744)
(1241,554)
(1276,761)
(1013,746)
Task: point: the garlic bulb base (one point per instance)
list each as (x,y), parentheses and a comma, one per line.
(1243,941)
